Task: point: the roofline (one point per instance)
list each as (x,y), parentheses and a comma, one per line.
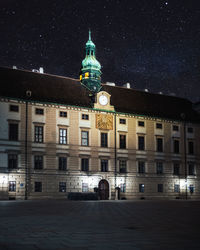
(101,110)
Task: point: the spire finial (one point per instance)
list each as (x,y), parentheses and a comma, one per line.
(89,35)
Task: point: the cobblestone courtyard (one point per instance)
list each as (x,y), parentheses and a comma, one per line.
(62,224)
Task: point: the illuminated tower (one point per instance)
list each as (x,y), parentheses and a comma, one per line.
(90,75)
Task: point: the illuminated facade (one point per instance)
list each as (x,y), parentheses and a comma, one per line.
(60,136)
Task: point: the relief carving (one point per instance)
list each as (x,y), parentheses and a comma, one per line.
(104,121)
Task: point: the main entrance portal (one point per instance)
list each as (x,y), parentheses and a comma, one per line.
(103,190)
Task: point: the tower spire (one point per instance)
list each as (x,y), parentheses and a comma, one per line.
(90,75)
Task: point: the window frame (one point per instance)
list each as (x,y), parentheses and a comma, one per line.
(63,136)
(122,121)
(141,167)
(122,141)
(12,186)
(12,161)
(14,108)
(63,114)
(104,139)
(141,124)
(159,167)
(176,146)
(39,111)
(122,166)
(62,187)
(38,187)
(13,131)
(62,163)
(84,139)
(85,117)
(141,145)
(39,134)
(38,162)
(141,188)
(85,164)
(104,165)
(159,144)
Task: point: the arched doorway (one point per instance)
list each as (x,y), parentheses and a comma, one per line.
(103,190)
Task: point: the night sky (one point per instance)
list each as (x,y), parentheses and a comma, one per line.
(149,43)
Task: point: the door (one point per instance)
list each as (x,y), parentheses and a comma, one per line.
(103,190)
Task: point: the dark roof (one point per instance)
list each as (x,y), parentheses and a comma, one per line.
(63,90)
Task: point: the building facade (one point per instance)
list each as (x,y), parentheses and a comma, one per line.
(60,136)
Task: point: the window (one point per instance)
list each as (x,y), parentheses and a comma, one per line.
(140,123)
(141,167)
(122,121)
(14,108)
(190,130)
(63,136)
(141,188)
(159,125)
(123,187)
(13,131)
(191,169)
(104,165)
(12,186)
(175,128)
(62,163)
(176,146)
(191,147)
(160,188)
(122,141)
(85,117)
(84,138)
(159,167)
(63,114)
(159,144)
(12,161)
(122,166)
(38,162)
(39,111)
(84,164)
(191,188)
(62,187)
(176,188)
(141,143)
(39,134)
(104,140)
(176,169)
(84,187)
(38,186)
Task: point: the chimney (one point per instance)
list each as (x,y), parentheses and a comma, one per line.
(41,69)
(127,85)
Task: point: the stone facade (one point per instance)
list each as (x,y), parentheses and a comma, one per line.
(135,155)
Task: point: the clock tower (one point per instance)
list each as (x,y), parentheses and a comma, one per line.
(90,75)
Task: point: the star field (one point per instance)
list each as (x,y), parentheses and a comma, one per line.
(150,44)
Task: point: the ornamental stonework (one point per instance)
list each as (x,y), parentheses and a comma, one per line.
(104,121)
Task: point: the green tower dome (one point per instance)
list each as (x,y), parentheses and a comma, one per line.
(90,75)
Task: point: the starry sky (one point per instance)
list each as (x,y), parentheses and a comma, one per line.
(151,44)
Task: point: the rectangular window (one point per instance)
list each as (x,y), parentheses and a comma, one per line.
(176,169)
(63,114)
(141,188)
(38,134)
(12,186)
(191,169)
(63,136)
(159,144)
(141,143)
(14,108)
(62,161)
(123,187)
(122,166)
(38,186)
(191,147)
(13,131)
(122,121)
(104,165)
(84,164)
(122,141)
(160,188)
(85,117)
(175,128)
(140,123)
(84,138)
(104,140)
(159,125)
(85,187)
(62,187)
(12,161)
(38,162)
(159,167)
(176,146)
(190,130)
(141,167)
(191,188)
(176,188)
(39,111)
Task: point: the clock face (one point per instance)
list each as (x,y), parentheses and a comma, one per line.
(103,100)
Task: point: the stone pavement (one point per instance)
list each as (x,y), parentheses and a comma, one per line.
(62,224)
